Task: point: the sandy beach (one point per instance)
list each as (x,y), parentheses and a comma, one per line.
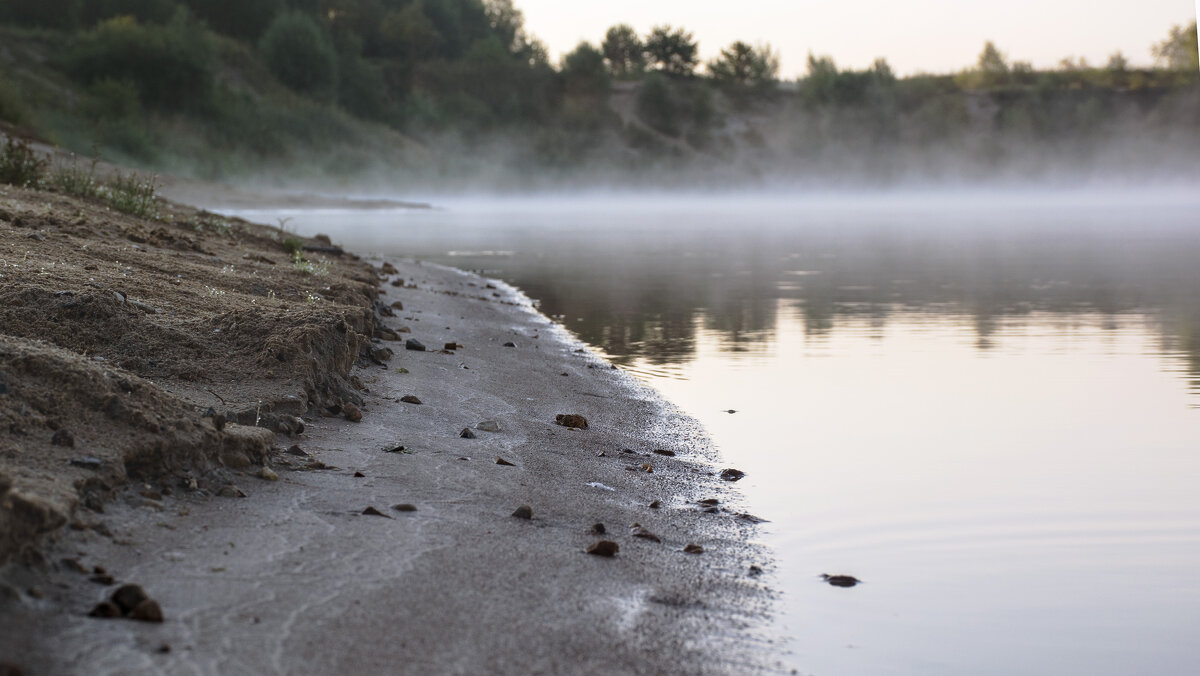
(381,544)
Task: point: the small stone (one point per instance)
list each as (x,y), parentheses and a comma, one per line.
(599,529)
(755,571)
(404,507)
(164,648)
(63,437)
(352,413)
(388,268)
(709,502)
(655,504)
(296,450)
(75,565)
(88,462)
(218,421)
(841,580)
(604,548)
(510,344)
(488,426)
(450,347)
(647,468)
(730,411)
(381,355)
(467,433)
(502,461)
(644,534)
(410,399)
(414,345)
(397,305)
(371,511)
(732,474)
(357,383)
(523,512)
(128,596)
(231,491)
(397,449)
(268,474)
(693,549)
(102,579)
(746,516)
(571,420)
(147,611)
(359,475)
(711,510)
(105,609)
(663,451)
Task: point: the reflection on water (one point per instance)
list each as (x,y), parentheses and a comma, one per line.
(988,412)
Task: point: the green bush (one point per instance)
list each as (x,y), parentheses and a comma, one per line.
(57,14)
(300,54)
(244,19)
(75,180)
(171,66)
(148,11)
(19,164)
(657,107)
(133,195)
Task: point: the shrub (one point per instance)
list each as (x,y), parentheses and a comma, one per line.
(133,195)
(19,164)
(657,107)
(300,55)
(75,180)
(171,66)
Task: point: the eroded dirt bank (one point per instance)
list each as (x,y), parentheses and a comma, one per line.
(125,340)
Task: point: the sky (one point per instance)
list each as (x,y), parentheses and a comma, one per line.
(930,36)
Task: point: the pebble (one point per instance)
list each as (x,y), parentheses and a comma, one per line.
(404,507)
(755,571)
(414,345)
(75,565)
(655,504)
(102,578)
(88,462)
(63,437)
(644,534)
(231,491)
(453,346)
(467,433)
(128,596)
(410,399)
(397,305)
(663,451)
(571,420)
(388,268)
(218,421)
(510,344)
(105,609)
(523,512)
(709,502)
(359,475)
(147,611)
(268,474)
(598,529)
(371,511)
(647,468)
(604,548)
(352,413)
(502,461)
(488,426)
(840,580)
(693,549)
(296,450)
(732,474)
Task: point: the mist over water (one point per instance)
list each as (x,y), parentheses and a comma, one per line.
(986,404)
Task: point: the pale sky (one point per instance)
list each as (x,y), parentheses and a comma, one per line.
(933,36)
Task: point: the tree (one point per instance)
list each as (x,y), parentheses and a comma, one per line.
(585,73)
(624,50)
(1178,51)
(300,54)
(744,66)
(991,61)
(673,50)
(1117,63)
(245,19)
(409,34)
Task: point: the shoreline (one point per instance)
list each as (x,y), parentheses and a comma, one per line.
(296,578)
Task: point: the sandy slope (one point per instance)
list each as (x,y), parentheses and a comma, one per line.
(295,579)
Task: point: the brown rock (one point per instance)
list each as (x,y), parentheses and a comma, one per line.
(296,450)
(502,461)
(128,596)
(404,507)
(388,268)
(655,504)
(359,475)
(841,580)
(647,468)
(571,420)
(693,549)
(371,511)
(663,451)
(644,534)
(732,474)
(105,609)
(351,413)
(523,512)
(75,565)
(102,578)
(604,548)
(147,611)
(63,437)
(467,433)
(599,529)
(231,491)
(708,502)
(398,305)
(410,399)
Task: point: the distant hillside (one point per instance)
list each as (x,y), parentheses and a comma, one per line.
(454,93)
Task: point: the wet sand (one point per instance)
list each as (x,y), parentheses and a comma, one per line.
(294,578)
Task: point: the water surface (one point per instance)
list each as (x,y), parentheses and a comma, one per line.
(987,406)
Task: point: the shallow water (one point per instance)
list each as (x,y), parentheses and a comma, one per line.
(986,406)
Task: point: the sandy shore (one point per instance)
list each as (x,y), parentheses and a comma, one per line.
(295,578)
